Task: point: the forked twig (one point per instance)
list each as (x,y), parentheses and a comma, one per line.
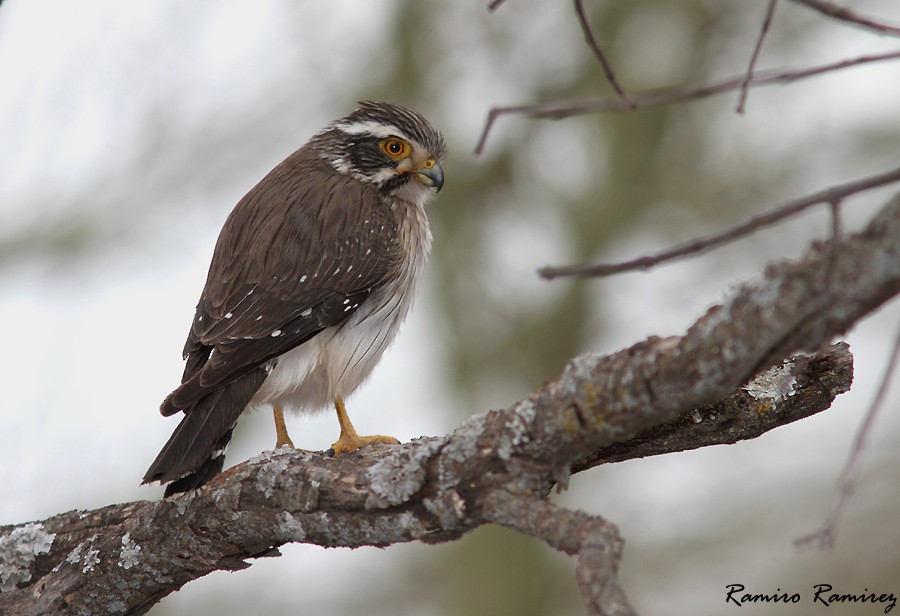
(831,195)
(825,536)
(666,96)
(745,85)
(592,42)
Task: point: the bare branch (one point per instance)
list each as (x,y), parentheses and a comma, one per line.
(594,44)
(847,482)
(699,245)
(745,85)
(124,558)
(591,39)
(596,543)
(419,490)
(748,413)
(665,96)
(844,14)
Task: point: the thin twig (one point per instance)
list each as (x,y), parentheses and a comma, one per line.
(835,219)
(833,256)
(592,42)
(665,96)
(847,482)
(844,14)
(745,85)
(836,226)
(697,245)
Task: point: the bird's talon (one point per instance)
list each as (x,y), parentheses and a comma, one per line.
(349,444)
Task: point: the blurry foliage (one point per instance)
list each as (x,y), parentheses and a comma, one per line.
(498,341)
(543,192)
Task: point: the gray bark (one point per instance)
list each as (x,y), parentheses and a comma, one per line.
(730,377)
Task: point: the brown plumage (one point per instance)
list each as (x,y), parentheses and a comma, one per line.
(312,273)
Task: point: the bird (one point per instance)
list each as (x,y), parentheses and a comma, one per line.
(311,276)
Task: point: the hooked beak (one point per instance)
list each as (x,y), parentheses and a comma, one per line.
(433,176)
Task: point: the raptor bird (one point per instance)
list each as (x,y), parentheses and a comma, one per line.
(311,276)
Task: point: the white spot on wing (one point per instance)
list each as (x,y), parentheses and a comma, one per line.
(228,315)
(306,312)
(276,333)
(303,278)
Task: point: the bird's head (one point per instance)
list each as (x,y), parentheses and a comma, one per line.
(390,146)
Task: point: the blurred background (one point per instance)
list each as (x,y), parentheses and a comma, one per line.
(129,130)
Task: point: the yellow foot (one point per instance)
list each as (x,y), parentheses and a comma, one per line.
(350,440)
(348,443)
(281,435)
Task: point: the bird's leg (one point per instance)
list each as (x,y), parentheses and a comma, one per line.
(349,439)
(281,437)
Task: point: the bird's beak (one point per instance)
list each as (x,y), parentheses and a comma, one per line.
(432,176)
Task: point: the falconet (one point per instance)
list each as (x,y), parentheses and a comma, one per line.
(311,276)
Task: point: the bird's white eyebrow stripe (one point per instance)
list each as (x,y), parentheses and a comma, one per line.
(369,127)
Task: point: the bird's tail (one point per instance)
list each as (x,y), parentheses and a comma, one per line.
(195,453)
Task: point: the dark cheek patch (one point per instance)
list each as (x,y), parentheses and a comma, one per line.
(366,158)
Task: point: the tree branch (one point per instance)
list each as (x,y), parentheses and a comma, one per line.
(831,196)
(591,39)
(665,96)
(844,14)
(754,57)
(594,541)
(124,558)
(815,381)
(825,536)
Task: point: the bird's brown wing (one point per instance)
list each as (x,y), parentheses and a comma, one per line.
(298,254)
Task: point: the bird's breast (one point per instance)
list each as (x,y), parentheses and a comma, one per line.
(335,362)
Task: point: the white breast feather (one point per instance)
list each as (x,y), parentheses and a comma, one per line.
(335,362)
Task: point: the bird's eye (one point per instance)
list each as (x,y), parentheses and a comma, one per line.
(395,148)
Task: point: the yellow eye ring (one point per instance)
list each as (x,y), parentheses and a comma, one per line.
(395,148)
